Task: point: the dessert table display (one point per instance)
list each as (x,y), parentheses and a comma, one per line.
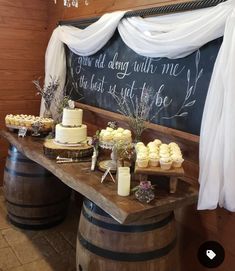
(161,160)
(125,233)
(29,123)
(108,138)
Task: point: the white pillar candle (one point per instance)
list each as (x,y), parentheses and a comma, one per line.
(124,181)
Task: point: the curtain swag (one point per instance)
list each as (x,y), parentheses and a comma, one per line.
(174,36)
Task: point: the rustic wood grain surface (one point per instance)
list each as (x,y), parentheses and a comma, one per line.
(79,177)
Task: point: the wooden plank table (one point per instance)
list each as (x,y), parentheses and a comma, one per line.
(116,233)
(79,177)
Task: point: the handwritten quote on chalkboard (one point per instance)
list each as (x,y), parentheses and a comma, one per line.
(178,86)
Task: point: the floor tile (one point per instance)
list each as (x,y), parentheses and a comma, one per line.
(31,250)
(4,223)
(70,236)
(8,259)
(3,242)
(15,235)
(57,241)
(44,250)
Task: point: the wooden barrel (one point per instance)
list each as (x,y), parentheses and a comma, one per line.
(35,197)
(104,245)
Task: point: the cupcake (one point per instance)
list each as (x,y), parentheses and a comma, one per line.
(107,136)
(11,119)
(22,121)
(152,145)
(142,160)
(47,123)
(120,130)
(109,129)
(164,154)
(28,122)
(153,150)
(164,146)
(143,149)
(164,150)
(101,134)
(153,159)
(7,119)
(173,144)
(117,136)
(157,142)
(177,160)
(17,120)
(138,145)
(127,135)
(165,163)
(176,152)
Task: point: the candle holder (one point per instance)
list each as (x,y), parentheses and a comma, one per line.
(36,127)
(145,192)
(112,163)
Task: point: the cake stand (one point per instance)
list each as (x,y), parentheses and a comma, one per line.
(173,174)
(111,163)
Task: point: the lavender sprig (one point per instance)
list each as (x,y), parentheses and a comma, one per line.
(139,110)
(47,92)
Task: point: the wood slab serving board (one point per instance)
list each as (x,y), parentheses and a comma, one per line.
(52,150)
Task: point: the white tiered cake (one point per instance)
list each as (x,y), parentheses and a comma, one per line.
(71,130)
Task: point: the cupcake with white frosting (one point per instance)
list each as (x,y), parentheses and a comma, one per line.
(177,160)
(117,136)
(107,136)
(142,160)
(153,159)
(138,145)
(165,163)
(120,130)
(127,135)
(157,142)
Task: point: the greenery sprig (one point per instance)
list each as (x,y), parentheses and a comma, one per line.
(47,91)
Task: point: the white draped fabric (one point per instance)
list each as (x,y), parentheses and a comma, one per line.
(82,42)
(175,36)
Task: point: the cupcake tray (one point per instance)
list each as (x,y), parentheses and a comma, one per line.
(173,173)
(179,172)
(13,128)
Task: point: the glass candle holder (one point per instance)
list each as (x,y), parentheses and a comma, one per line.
(145,192)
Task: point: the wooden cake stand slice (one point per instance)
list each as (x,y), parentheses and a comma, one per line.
(52,150)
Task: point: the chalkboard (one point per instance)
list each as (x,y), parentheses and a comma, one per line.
(178,86)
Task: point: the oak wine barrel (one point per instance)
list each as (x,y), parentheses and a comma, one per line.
(35,198)
(104,245)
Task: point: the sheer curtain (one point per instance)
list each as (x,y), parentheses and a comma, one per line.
(174,36)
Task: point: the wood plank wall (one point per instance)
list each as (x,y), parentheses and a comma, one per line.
(24,37)
(193,227)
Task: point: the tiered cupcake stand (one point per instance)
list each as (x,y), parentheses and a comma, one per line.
(173,173)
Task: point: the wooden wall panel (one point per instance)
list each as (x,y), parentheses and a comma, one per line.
(99,7)
(24,37)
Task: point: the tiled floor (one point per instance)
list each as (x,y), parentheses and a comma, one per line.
(45,250)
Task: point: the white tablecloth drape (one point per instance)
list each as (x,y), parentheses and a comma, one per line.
(174,36)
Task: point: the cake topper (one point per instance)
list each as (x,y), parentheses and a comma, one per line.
(71,104)
(112,124)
